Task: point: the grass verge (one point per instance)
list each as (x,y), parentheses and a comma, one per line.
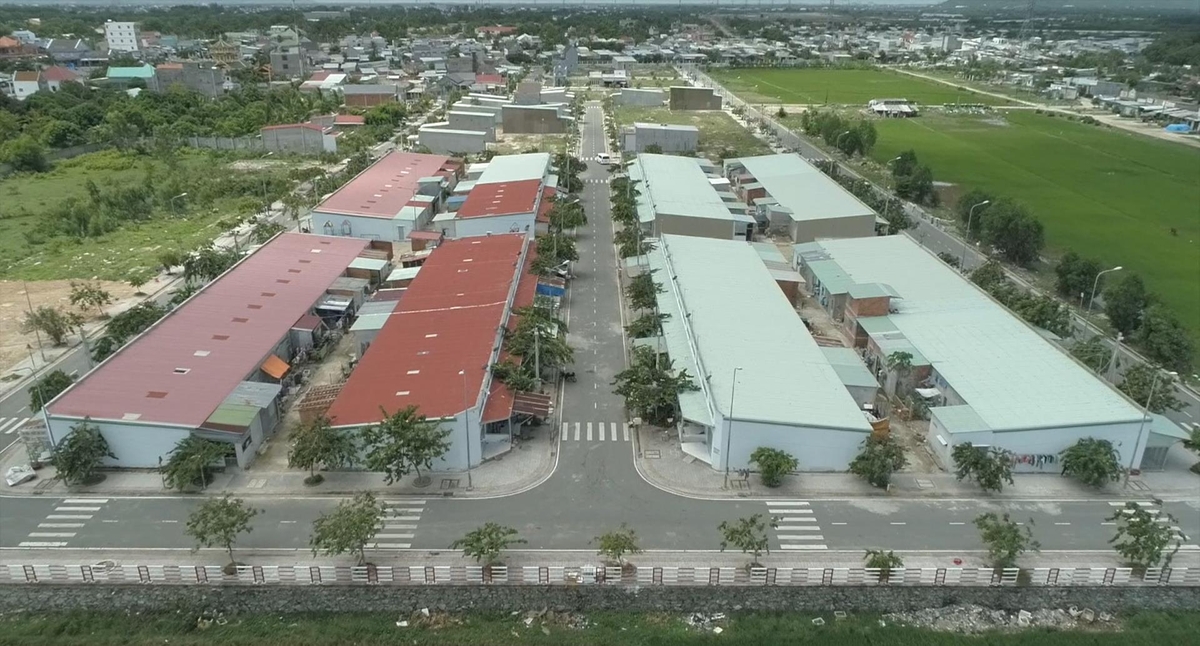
(602,629)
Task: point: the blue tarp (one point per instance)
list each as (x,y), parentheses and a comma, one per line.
(1178,127)
(550,290)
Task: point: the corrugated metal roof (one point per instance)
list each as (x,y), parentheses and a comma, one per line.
(998,365)
(675,186)
(447,322)
(849,367)
(183,367)
(808,193)
(385,187)
(715,287)
(504,198)
(515,168)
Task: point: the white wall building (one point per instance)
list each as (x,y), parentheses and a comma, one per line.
(122,36)
(763,380)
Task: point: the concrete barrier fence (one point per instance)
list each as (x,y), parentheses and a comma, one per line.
(642,576)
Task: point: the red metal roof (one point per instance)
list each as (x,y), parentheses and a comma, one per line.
(502,198)
(349,120)
(59,73)
(218,337)
(489,79)
(385,187)
(447,322)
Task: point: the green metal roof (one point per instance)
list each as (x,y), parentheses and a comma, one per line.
(143,72)
(850,368)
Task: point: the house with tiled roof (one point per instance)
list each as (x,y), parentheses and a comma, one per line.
(55,75)
(25,84)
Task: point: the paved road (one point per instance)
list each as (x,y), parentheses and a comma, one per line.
(595,486)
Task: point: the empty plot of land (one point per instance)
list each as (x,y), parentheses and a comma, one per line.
(718,131)
(1122,198)
(840,86)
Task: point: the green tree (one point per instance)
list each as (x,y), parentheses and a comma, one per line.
(748,535)
(47,388)
(318,444)
(642,291)
(1091,461)
(52,322)
(25,155)
(653,149)
(883,561)
(1138,382)
(616,544)
(651,386)
(880,457)
(348,528)
(646,325)
(1144,538)
(962,210)
(484,544)
(208,262)
(138,278)
(189,462)
(168,259)
(1163,339)
(989,468)
(217,522)
(1005,539)
(1124,299)
(403,442)
(773,464)
(1013,231)
(901,363)
(1094,352)
(989,275)
(539,332)
(1075,275)
(78,456)
(566,215)
(90,296)
(262,231)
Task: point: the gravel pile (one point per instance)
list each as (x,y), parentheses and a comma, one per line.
(976,619)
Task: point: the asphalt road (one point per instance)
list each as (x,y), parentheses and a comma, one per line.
(595,487)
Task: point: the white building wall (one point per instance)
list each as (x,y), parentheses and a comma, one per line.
(122,36)
(137,446)
(481,226)
(1037,450)
(359,227)
(816,449)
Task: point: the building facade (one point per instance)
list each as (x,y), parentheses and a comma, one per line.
(122,36)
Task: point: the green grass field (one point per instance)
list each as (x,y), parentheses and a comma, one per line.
(842,86)
(718,130)
(603,629)
(1107,194)
(113,256)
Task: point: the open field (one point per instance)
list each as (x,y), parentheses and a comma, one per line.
(600,629)
(718,130)
(1124,199)
(25,199)
(507,144)
(845,86)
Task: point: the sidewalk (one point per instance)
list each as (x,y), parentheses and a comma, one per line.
(527,465)
(683,475)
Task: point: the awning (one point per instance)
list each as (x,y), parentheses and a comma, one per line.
(275,367)
(535,404)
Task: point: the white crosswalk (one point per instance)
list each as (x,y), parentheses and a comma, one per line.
(1152,509)
(10,425)
(796,528)
(595,432)
(55,528)
(397,525)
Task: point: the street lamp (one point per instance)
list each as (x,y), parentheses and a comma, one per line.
(837,143)
(467,427)
(181,195)
(729,431)
(1096,284)
(967,238)
(1145,415)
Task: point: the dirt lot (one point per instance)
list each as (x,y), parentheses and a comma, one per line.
(53,293)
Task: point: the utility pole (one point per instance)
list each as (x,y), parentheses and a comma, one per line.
(36,332)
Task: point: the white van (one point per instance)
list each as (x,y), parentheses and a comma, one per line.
(604,158)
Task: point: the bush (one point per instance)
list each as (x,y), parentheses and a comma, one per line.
(773,464)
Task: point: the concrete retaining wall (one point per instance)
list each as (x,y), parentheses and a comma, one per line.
(641,97)
(694,98)
(291,600)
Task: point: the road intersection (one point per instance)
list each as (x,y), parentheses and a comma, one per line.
(595,486)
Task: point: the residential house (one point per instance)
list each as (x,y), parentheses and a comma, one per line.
(25,84)
(55,75)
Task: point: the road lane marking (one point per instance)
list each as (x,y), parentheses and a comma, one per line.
(69,517)
(803,546)
(958,523)
(391,546)
(613,431)
(566,426)
(805,519)
(786,503)
(899,523)
(83,501)
(59,525)
(393,536)
(110,521)
(287,522)
(51,534)
(386,525)
(42,544)
(406,510)
(801,537)
(837,523)
(601,429)
(797,528)
(626,432)
(76,509)
(589,431)
(576,431)
(1061,524)
(791,511)
(169,521)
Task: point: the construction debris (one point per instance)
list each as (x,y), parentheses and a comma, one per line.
(547,618)
(976,619)
(705,622)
